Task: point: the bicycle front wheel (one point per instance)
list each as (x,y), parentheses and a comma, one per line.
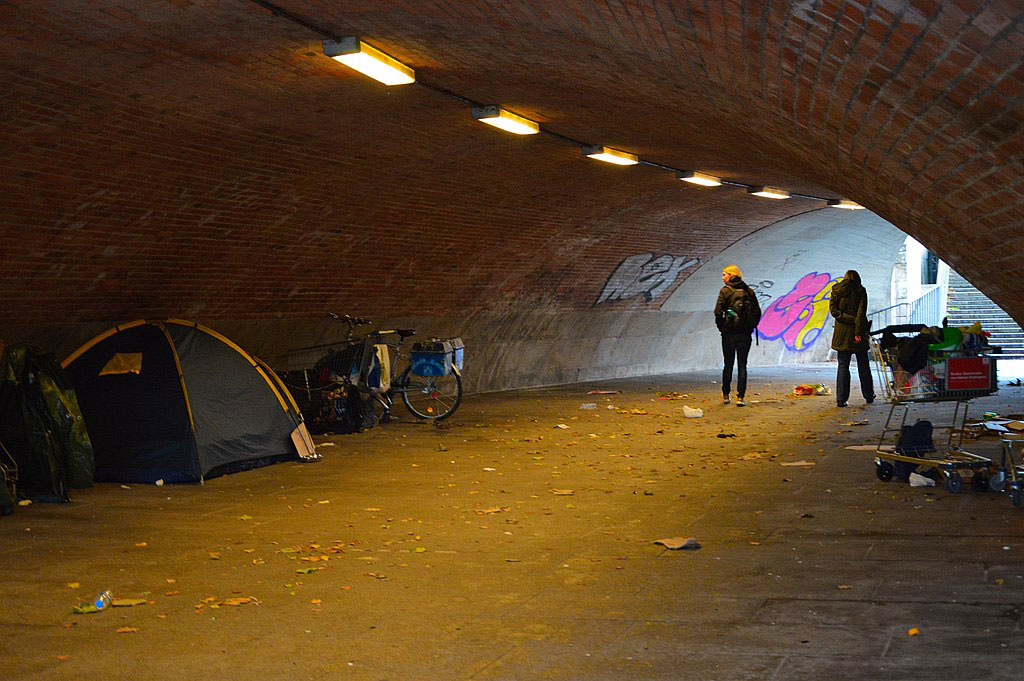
(431,397)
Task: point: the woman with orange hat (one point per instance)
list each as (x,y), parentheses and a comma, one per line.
(737,313)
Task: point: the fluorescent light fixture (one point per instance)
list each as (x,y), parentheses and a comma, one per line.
(845,203)
(703,179)
(370,61)
(768,192)
(506,120)
(609,155)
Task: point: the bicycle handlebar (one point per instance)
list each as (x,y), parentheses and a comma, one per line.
(354,321)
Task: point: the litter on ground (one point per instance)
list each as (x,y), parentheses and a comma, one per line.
(679,543)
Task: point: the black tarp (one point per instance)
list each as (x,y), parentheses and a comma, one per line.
(41,425)
(140,420)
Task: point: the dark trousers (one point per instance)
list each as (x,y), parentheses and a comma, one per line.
(867,385)
(738,347)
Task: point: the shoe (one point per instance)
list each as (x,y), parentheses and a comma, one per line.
(740,402)
(870,401)
(843,404)
(725,399)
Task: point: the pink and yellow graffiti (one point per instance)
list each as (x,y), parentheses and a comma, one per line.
(799,317)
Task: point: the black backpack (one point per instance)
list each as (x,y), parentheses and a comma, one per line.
(748,312)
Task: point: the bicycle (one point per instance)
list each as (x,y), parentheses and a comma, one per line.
(368,364)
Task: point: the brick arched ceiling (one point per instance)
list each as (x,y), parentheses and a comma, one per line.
(203,158)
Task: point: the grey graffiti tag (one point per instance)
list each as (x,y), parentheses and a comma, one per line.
(643,274)
(760,290)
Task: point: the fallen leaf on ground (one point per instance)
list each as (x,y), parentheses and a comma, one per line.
(315,601)
(63,658)
(84,609)
(492,509)
(845,586)
(307,570)
(245,517)
(797,463)
(73,585)
(913,631)
(563,492)
(371,509)
(242,600)
(562,426)
(126,630)
(128,602)
(141,544)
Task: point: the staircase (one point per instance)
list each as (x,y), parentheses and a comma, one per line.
(968,305)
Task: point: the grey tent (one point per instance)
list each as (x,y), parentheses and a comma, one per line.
(175,401)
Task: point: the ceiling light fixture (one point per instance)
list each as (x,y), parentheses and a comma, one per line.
(609,155)
(845,203)
(506,120)
(768,192)
(368,60)
(703,179)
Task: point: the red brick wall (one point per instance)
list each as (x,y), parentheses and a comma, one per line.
(203,159)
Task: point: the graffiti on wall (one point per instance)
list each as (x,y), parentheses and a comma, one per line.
(644,275)
(760,289)
(799,317)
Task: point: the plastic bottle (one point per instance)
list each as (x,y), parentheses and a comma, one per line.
(103,600)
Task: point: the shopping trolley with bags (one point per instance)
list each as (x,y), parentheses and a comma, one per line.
(910,370)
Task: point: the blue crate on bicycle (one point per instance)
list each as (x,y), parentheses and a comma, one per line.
(437,356)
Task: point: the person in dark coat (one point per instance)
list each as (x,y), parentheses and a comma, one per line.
(849,306)
(737,313)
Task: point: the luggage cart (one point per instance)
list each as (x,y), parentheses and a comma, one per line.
(950,376)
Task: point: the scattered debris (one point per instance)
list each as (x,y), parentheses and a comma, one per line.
(561,426)
(913,631)
(857,423)
(671,396)
(801,463)
(725,435)
(126,630)
(563,492)
(128,602)
(588,405)
(25,502)
(679,543)
(807,389)
(604,392)
(691,413)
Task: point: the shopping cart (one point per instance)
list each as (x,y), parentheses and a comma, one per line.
(8,477)
(1009,474)
(955,376)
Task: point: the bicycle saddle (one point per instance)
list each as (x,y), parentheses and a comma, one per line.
(405,333)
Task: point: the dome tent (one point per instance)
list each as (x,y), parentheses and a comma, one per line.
(175,401)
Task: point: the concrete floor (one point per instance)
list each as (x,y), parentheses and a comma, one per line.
(448,555)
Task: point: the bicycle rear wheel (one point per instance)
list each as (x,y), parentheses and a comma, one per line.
(430,397)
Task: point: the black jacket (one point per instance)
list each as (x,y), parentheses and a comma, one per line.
(728,299)
(849,305)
